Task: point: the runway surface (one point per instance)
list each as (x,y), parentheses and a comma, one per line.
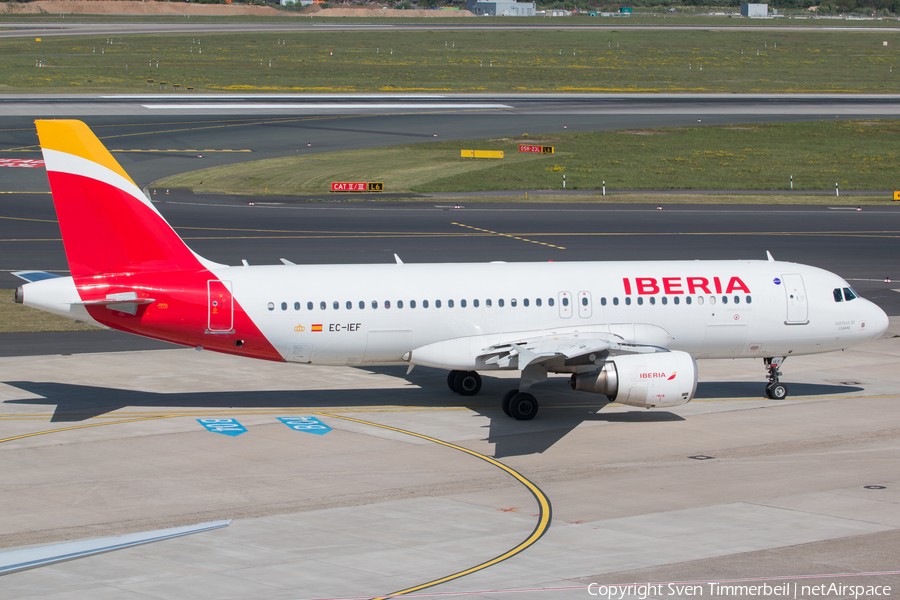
(20,30)
(399,494)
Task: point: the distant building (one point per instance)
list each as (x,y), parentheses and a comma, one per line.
(754,10)
(503,8)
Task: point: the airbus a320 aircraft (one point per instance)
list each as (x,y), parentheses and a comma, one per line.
(628,330)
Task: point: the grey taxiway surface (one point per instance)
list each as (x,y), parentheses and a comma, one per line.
(730,486)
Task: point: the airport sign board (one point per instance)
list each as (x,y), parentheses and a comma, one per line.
(538,149)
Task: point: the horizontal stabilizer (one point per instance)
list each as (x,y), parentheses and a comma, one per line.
(31,276)
(126,302)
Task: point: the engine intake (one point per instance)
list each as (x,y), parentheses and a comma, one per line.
(660,379)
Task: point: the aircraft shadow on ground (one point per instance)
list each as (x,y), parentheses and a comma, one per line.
(755,389)
(561,411)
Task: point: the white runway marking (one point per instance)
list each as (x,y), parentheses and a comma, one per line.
(317,106)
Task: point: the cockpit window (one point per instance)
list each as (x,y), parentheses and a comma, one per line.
(837,295)
(849,294)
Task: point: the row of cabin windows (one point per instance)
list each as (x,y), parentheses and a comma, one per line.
(513,302)
(676,300)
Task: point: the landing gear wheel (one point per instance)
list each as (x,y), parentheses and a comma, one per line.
(776,391)
(451,380)
(523,406)
(467,383)
(506,398)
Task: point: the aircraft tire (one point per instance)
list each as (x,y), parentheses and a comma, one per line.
(523,406)
(451,380)
(505,403)
(776,391)
(467,383)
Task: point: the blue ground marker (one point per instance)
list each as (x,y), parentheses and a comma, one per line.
(307,424)
(224,426)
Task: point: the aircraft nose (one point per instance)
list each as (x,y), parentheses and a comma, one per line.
(879,321)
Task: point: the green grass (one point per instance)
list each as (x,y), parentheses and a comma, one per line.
(548,60)
(858,155)
(18,318)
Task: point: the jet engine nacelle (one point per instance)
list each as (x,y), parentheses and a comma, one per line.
(660,379)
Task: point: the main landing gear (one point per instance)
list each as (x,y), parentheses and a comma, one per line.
(518,405)
(464,383)
(521,406)
(775,389)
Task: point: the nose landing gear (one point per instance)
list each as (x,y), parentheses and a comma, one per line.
(775,389)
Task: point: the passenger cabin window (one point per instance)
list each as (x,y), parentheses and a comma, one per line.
(387,303)
(449,303)
(284,306)
(487,302)
(676,300)
(271,306)
(724,299)
(462,303)
(437,303)
(687,300)
(374,303)
(602,301)
(627,301)
(513,302)
(399,303)
(322,305)
(349,305)
(565,301)
(412,303)
(666,300)
(296,306)
(616,301)
(309,306)
(640,301)
(652,300)
(362,304)
(424,303)
(336,305)
(500,302)
(749,299)
(525,302)
(475,302)
(537,301)
(737,299)
(550,302)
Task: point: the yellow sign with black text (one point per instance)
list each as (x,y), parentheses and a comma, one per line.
(374,186)
(896,195)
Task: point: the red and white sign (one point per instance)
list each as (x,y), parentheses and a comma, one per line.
(345,186)
(21,162)
(529,148)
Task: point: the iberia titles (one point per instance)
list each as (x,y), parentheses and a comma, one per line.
(682,285)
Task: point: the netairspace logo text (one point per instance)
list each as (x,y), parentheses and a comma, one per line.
(784,590)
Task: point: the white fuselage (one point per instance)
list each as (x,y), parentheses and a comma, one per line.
(384,314)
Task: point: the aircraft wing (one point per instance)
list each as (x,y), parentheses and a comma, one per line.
(552,350)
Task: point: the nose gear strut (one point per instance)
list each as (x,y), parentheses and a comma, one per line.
(775,390)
